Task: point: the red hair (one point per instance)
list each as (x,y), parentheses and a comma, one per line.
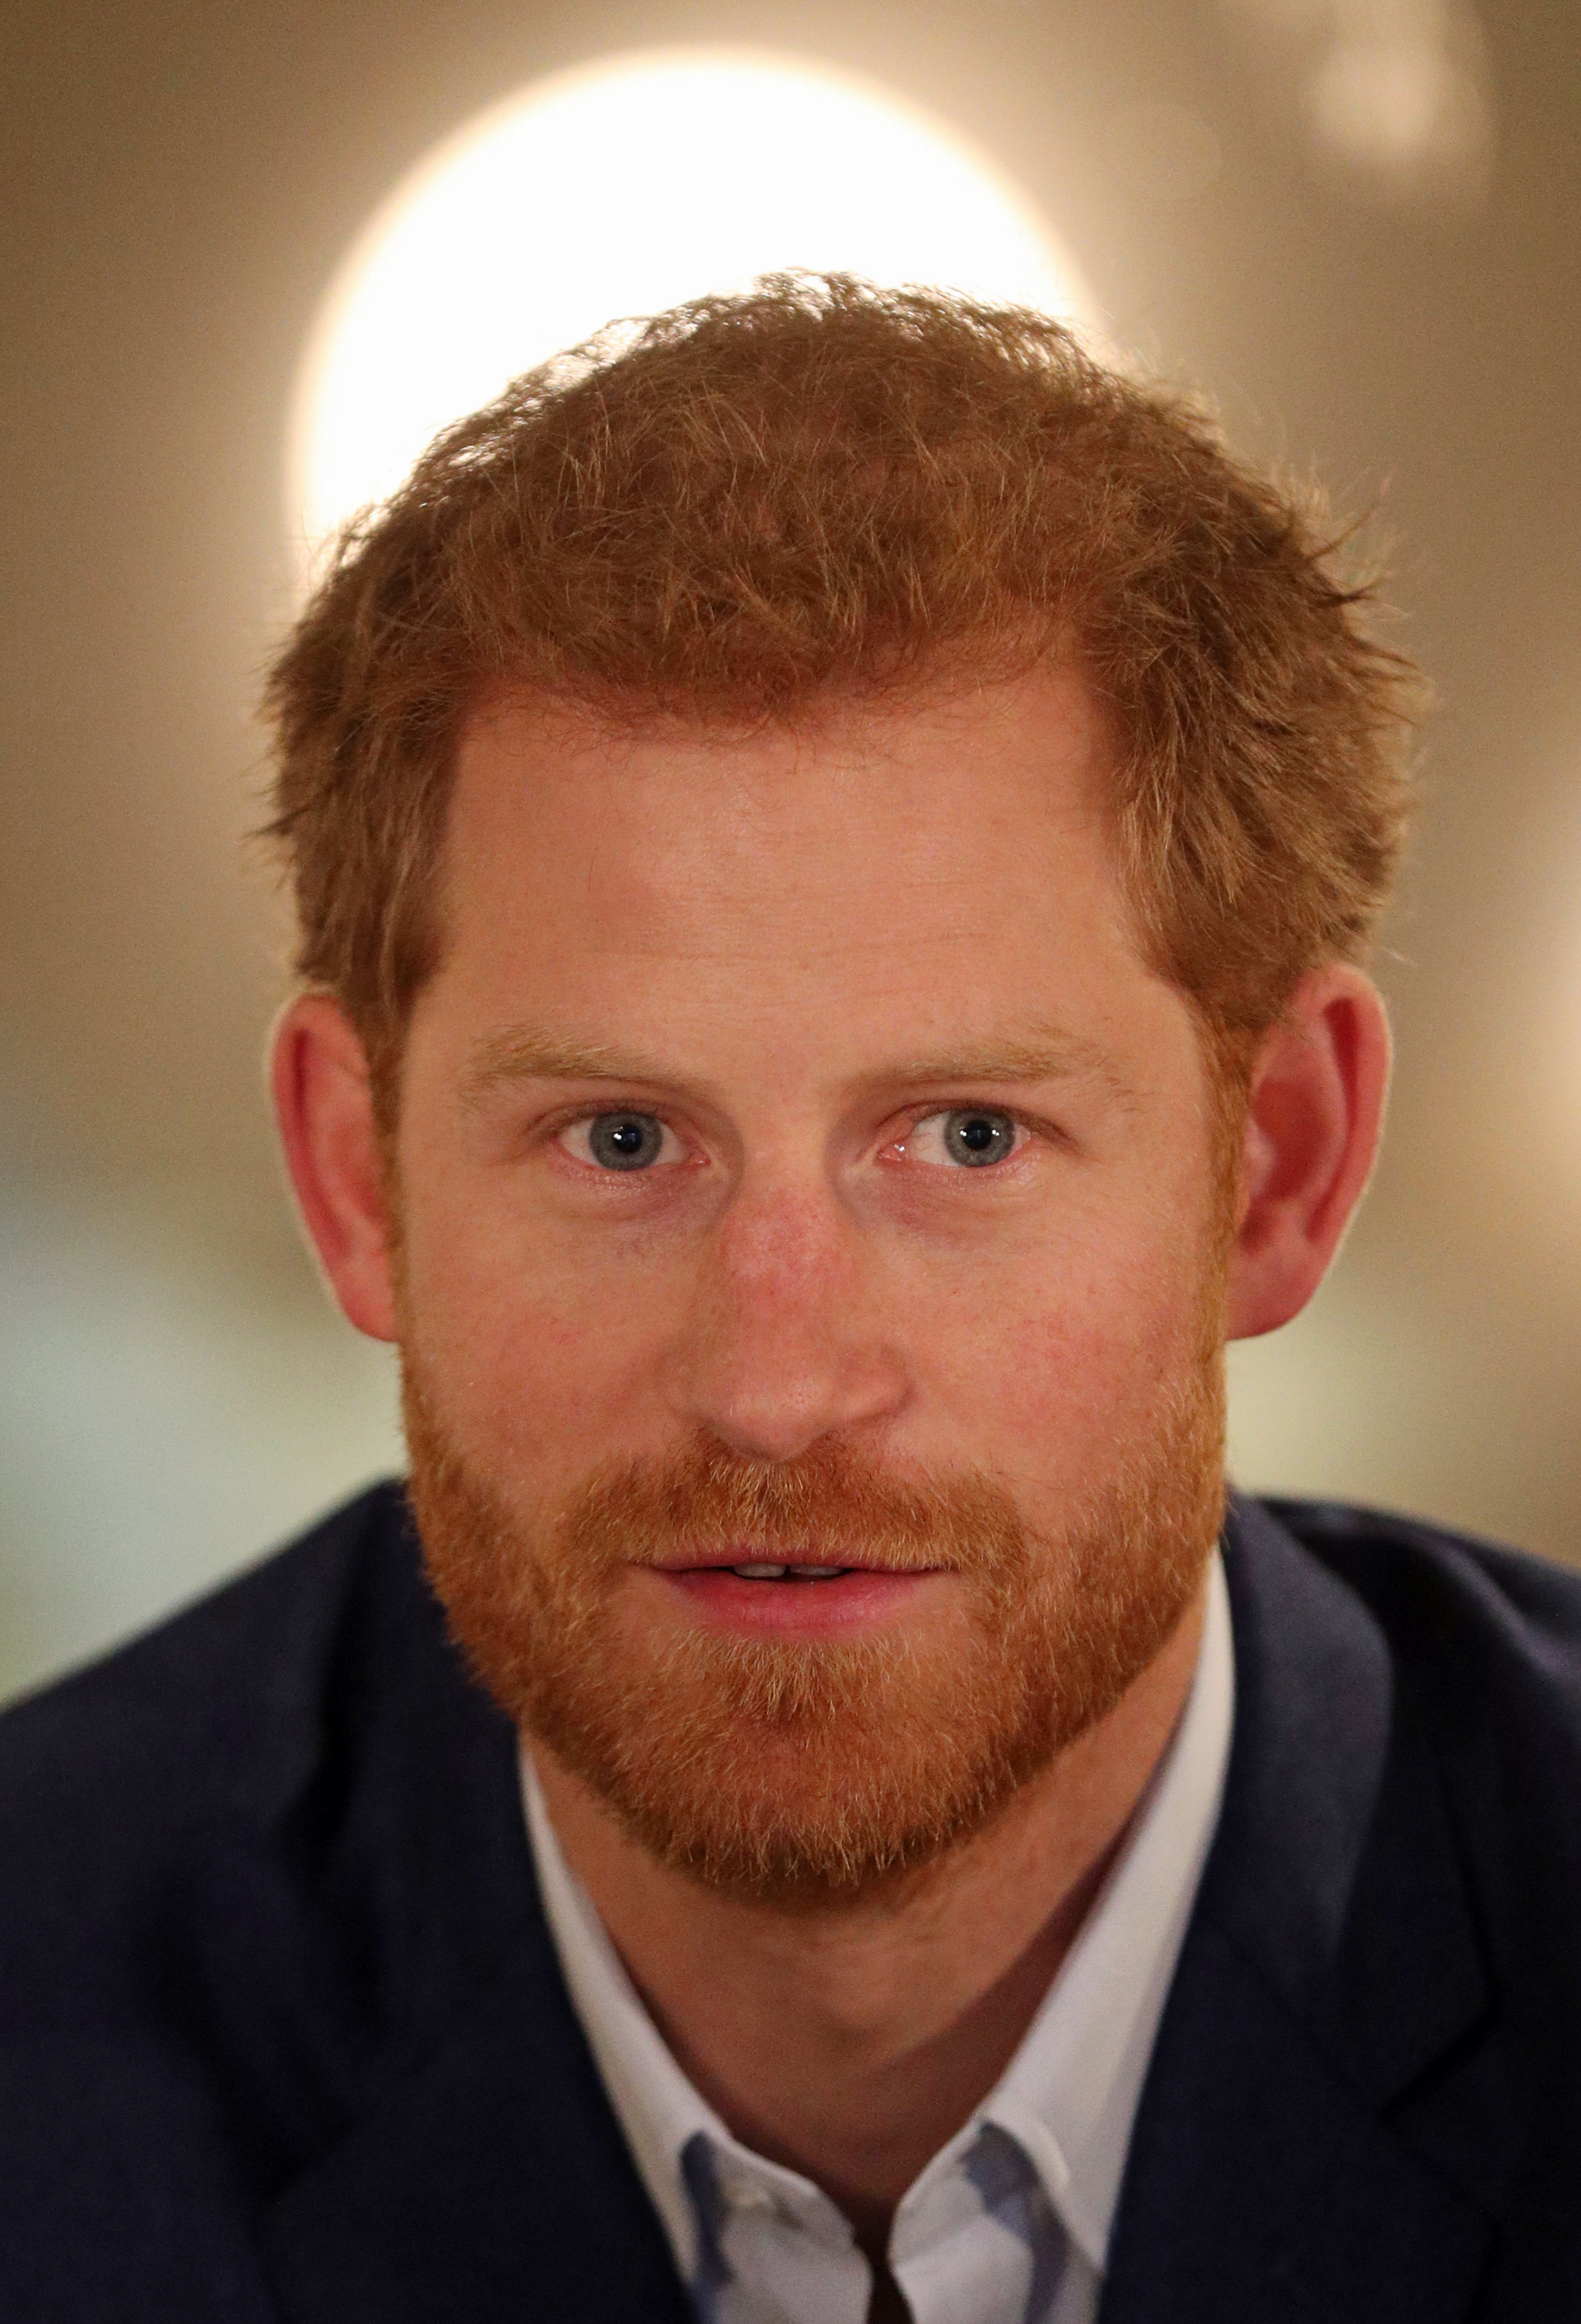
(762,501)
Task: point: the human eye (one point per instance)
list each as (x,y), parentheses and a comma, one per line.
(966,1138)
(622,1140)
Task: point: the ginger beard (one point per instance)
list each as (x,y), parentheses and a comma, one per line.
(802,1770)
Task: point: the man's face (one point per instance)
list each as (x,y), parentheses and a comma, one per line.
(799,1167)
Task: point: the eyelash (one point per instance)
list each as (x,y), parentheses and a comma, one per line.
(1024,1132)
(605,1113)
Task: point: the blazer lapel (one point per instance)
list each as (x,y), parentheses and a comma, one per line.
(1285,2161)
(374,1969)
(493,2185)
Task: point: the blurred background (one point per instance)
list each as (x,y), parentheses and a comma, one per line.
(1356,223)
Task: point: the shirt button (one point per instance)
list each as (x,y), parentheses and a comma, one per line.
(746,2196)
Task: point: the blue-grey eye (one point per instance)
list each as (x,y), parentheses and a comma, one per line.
(625,1141)
(973,1137)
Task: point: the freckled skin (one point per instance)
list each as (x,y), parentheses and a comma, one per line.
(775,923)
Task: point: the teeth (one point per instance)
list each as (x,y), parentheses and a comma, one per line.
(778,1572)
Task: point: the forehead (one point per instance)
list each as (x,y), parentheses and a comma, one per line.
(913,803)
(794,907)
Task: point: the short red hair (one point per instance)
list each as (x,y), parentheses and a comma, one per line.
(763,501)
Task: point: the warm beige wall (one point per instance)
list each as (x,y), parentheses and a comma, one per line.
(180,180)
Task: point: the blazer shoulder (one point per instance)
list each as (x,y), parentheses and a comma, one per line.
(260,1866)
(1436,1592)
(215,1708)
(1483,1649)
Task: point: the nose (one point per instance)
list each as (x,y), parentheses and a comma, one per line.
(785,1342)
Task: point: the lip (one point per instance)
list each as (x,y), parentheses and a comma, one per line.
(748,1553)
(859,1599)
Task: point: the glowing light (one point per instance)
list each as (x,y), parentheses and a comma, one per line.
(615,191)
(1397,91)
(1400,107)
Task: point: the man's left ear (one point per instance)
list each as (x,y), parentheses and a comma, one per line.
(1315,1113)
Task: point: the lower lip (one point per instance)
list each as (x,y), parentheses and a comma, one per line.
(843,1606)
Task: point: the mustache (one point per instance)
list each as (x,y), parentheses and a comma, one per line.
(705,1504)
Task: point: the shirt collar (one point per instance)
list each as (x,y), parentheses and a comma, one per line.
(1071,2092)
(1069,2095)
(656,2106)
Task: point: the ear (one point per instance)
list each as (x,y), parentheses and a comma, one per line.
(1314,1115)
(323,1105)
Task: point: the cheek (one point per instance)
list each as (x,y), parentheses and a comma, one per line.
(539,1367)
(1052,1366)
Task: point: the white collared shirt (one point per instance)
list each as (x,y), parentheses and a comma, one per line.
(1009,2223)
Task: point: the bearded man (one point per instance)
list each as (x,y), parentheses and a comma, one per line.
(835,843)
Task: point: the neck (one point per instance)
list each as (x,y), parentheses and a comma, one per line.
(852,2044)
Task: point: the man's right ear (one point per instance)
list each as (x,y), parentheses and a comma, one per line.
(323,1105)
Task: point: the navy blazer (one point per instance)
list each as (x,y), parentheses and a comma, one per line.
(283,2039)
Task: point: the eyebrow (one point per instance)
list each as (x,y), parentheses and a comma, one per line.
(527,1053)
(1051,1058)
(521,1053)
